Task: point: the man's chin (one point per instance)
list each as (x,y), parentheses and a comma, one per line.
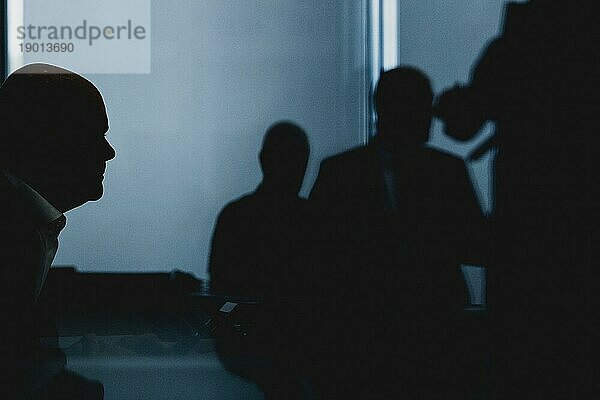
(78,198)
(94,193)
(97,194)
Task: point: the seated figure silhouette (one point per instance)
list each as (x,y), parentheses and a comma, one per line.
(259,250)
(258,239)
(53,155)
(399,219)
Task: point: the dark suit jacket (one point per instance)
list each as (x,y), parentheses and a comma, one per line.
(20,249)
(391,279)
(22,321)
(437,224)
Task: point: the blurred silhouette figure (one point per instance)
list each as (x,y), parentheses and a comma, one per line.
(400,218)
(259,250)
(53,155)
(539,82)
(258,239)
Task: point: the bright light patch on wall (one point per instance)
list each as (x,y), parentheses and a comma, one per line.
(384,36)
(383,40)
(375,41)
(14,19)
(390,33)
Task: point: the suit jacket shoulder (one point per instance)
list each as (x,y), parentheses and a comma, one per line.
(350,159)
(347,176)
(20,247)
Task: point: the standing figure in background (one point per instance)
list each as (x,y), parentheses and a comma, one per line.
(259,239)
(398,218)
(539,82)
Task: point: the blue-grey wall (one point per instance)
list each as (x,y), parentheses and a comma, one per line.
(188,134)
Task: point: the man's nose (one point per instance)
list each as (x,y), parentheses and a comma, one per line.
(109,152)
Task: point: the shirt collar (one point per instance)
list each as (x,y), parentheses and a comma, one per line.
(42,211)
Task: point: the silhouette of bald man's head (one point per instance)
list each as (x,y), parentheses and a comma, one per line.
(403,101)
(284,157)
(54,124)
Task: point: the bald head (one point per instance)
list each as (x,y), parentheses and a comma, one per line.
(54,123)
